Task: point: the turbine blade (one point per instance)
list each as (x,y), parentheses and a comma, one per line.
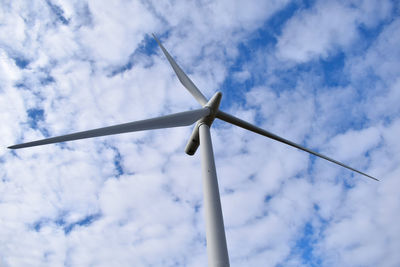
(183,78)
(241,123)
(173,120)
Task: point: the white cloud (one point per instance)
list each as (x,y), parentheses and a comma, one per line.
(355,143)
(328,26)
(117,30)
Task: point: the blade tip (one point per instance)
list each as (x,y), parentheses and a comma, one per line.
(155,37)
(373,178)
(17,146)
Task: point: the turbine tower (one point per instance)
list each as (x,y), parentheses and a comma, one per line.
(217,252)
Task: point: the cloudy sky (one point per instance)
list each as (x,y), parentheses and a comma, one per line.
(325,74)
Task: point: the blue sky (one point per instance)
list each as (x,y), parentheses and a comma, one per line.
(325,74)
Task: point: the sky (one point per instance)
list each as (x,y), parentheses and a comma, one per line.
(324,74)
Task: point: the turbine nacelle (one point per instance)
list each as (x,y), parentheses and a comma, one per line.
(194,140)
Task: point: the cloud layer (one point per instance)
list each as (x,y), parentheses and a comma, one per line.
(324,74)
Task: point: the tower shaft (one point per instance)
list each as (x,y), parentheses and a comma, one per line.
(217,251)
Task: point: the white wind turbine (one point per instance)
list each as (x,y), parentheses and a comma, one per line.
(215,233)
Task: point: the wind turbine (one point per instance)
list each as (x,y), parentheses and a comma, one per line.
(215,232)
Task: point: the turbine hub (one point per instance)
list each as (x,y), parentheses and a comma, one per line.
(194,140)
(213,105)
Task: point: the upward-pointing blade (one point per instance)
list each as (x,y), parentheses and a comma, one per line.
(173,120)
(241,123)
(189,85)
